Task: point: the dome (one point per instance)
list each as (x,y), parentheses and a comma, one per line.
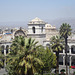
(36,21)
(49,26)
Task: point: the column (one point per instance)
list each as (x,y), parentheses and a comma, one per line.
(64,60)
(5,55)
(69,49)
(9,49)
(70,60)
(5,50)
(64,51)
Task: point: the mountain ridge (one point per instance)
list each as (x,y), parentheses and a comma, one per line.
(56,22)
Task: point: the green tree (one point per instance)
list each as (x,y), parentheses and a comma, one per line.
(22,60)
(65,31)
(48,58)
(2,57)
(56,45)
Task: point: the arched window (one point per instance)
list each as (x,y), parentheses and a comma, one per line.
(42,29)
(73,49)
(60,59)
(2,49)
(19,33)
(33,29)
(67,49)
(7,48)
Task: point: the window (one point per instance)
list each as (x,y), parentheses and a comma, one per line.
(42,29)
(33,29)
(7,48)
(2,48)
(73,49)
(61,60)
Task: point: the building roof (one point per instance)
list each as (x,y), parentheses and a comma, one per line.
(36,21)
(49,26)
(8,33)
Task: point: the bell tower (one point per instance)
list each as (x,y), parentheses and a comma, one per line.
(36,29)
(36,26)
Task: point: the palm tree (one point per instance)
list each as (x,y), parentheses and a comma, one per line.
(56,45)
(2,57)
(22,58)
(65,31)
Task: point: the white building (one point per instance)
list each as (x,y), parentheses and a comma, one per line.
(36,30)
(42,32)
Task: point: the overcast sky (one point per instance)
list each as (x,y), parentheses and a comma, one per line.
(26,10)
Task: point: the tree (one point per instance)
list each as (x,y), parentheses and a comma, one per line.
(2,57)
(48,58)
(56,45)
(22,60)
(65,31)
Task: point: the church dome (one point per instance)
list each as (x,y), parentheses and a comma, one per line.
(36,21)
(49,26)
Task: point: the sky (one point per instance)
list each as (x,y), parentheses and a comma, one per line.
(26,10)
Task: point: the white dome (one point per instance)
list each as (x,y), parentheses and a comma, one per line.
(48,25)
(36,21)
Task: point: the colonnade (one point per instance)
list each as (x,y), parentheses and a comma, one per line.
(5,48)
(70,55)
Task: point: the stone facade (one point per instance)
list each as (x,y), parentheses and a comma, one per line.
(41,31)
(50,31)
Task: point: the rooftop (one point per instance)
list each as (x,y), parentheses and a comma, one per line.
(37,21)
(49,26)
